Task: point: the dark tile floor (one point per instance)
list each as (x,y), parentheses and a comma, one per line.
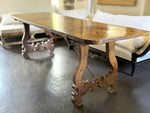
(43,84)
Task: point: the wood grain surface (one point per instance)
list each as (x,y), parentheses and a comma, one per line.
(83,31)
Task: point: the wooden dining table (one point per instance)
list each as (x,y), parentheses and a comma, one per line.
(85,33)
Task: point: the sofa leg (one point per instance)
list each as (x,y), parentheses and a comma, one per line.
(134,58)
(133,69)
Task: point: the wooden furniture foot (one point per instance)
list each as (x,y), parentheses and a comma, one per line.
(81,87)
(111,58)
(79,84)
(26,48)
(51,46)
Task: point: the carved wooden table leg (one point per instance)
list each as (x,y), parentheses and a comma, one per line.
(110,53)
(26,35)
(81,87)
(51,46)
(26,48)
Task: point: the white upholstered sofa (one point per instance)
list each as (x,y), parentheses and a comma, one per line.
(10,29)
(132,50)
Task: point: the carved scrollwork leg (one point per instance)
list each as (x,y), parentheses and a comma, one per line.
(112,80)
(79,86)
(26,48)
(51,42)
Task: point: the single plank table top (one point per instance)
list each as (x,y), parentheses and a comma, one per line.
(83,31)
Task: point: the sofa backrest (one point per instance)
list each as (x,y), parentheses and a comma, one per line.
(139,22)
(7,19)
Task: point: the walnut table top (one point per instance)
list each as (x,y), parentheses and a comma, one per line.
(79,30)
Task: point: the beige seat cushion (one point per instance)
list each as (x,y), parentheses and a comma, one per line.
(133,44)
(124,53)
(119,51)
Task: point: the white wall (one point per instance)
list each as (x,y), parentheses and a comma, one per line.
(45,5)
(24,6)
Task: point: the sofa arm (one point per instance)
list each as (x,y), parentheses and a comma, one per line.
(144,49)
